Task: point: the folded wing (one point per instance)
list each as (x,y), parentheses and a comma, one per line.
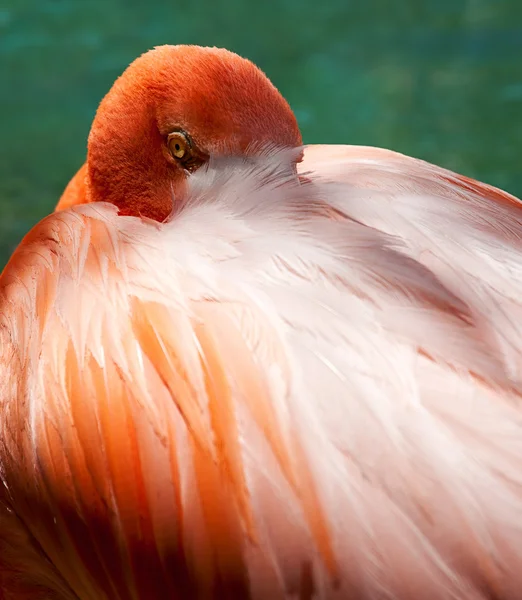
(288,390)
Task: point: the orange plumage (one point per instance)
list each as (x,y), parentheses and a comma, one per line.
(239,368)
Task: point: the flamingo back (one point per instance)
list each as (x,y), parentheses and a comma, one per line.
(291,389)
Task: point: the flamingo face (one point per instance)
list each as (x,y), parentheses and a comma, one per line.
(171,110)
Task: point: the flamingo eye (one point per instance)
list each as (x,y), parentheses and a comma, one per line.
(184,151)
(179,144)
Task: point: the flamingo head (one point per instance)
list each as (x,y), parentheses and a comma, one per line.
(171,110)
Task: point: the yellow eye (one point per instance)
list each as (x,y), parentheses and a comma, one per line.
(183,149)
(178,144)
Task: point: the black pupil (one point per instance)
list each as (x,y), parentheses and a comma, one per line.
(178,147)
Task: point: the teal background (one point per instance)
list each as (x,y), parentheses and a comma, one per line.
(438,79)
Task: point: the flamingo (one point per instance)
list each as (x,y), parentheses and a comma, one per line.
(237,367)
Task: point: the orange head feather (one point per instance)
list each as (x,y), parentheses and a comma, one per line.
(170,110)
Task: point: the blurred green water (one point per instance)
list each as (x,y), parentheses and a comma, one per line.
(438,79)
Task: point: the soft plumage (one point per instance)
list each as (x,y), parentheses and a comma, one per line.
(224,102)
(289,389)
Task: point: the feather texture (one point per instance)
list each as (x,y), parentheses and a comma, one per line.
(288,390)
